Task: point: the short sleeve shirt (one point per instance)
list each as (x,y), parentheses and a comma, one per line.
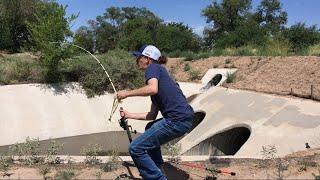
(170,100)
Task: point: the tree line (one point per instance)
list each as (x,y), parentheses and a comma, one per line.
(29,25)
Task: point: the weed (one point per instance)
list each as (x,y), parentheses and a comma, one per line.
(5,163)
(30,149)
(173,151)
(281,167)
(98,174)
(113,163)
(67,174)
(194,75)
(186,67)
(317,176)
(52,151)
(91,152)
(44,170)
(231,77)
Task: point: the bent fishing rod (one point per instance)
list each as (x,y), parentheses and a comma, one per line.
(115,100)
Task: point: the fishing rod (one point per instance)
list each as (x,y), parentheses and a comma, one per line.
(115,100)
(124,124)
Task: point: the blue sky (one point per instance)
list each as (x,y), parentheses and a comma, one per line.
(186,11)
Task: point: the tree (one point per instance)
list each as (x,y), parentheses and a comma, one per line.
(225,16)
(271,16)
(13,27)
(50,28)
(176,36)
(300,36)
(84,37)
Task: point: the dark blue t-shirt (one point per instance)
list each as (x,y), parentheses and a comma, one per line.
(169,99)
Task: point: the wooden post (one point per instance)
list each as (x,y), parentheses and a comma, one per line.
(311,91)
(291,92)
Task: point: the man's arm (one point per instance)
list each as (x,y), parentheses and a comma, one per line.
(151,115)
(148,90)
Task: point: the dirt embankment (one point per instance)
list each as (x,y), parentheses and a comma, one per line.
(279,75)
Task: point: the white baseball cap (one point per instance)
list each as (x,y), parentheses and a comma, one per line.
(149,51)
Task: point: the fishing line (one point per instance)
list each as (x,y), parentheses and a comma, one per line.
(115,100)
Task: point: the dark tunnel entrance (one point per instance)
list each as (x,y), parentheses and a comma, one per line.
(198,118)
(213,82)
(225,143)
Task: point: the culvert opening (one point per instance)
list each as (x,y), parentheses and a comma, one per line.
(227,142)
(213,82)
(198,118)
(191,98)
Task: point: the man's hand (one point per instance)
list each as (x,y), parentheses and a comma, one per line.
(124,113)
(122,95)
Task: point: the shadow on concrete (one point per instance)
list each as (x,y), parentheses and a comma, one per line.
(114,140)
(224,143)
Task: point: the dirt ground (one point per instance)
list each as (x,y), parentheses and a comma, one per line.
(299,165)
(277,75)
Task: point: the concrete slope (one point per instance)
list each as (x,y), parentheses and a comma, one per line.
(239,123)
(42,111)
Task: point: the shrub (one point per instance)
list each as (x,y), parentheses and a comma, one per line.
(113,163)
(30,149)
(19,70)
(118,63)
(194,75)
(231,77)
(65,174)
(314,50)
(52,151)
(275,47)
(91,152)
(186,67)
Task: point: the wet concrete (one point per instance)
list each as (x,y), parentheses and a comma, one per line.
(114,140)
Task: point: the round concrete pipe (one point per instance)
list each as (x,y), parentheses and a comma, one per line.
(213,82)
(198,118)
(224,143)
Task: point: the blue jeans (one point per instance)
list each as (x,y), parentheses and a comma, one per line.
(145,149)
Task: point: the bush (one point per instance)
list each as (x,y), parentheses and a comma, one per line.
(30,149)
(194,75)
(231,77)
(301,36)
(186,67)
(65,174)
(314,50)
(19,70)
(275,47)
(118,63)
(91,152)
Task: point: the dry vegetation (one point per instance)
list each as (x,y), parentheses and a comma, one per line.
(263,74)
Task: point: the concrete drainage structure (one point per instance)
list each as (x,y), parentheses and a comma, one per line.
(228,122)
(239,123)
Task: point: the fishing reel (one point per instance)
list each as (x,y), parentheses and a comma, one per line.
(124,124)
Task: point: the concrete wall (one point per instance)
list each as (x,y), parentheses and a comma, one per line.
(44,112)
(284,122)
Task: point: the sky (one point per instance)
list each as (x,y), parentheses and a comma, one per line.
(186,11)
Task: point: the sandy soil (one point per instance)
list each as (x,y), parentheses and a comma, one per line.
(263,74)
(299,165)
